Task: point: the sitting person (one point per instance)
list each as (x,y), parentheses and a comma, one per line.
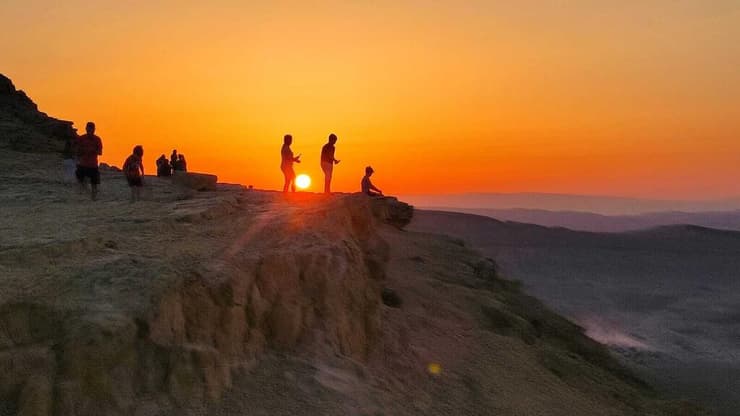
(163,167)
(133,169)
(367,186)
(180,164)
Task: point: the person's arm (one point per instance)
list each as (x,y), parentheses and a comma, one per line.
(100,146)
(373,187)
(297,159)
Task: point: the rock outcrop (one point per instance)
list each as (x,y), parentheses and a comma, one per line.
(24,128)
(195,181)
(128,327)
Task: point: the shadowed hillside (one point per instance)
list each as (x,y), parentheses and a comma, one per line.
(664,298)
(587,221)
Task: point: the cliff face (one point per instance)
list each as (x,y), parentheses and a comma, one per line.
(101,318)
(24,128)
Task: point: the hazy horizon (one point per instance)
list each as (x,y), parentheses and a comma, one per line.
(557,202)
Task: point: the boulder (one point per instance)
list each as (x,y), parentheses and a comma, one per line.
(195,181)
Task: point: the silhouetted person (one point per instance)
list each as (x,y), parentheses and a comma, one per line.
(133,169)
(286,163)
(183,163)
(367,186)
(89,147)
(328,161)
(173,158)
(163,166)
(180,164)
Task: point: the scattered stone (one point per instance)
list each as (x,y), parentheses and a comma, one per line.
(390,298)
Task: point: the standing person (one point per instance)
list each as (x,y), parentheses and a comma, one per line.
(286,163)
(173,158)
(89,147)
(182,163)
(328,161)
(133,169)
(367,186)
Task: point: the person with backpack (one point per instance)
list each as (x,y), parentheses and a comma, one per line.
(133,169)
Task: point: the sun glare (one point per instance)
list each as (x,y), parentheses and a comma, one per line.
(302,181)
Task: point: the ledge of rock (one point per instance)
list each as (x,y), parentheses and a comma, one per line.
(195,181)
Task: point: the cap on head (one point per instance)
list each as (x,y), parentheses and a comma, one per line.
(333,138)
(369,170)
(90,127)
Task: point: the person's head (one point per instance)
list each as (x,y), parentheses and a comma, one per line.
(369,171)
(90,127)
(174,151)
(287,139)
(182,156)
(332,138)
(163,156)
(139,150)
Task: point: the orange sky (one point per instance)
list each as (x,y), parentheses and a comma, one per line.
(631,98)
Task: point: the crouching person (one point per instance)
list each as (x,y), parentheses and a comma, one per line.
(133,169)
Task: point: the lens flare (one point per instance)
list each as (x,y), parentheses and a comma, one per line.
(302,181)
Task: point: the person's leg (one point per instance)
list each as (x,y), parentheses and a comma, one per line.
(80,174)
(287,180)
(292,180)
(94,182)
(328,169)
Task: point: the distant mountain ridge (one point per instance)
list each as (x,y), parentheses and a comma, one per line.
(588,221)
(26,129)
(602,205)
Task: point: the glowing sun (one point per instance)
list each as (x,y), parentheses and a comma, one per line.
(302,181)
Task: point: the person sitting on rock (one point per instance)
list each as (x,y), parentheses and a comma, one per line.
(133,169)
(88,147)
(163,167)
(180,165)
(367,186)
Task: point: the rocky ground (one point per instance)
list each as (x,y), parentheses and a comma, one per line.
(240,302)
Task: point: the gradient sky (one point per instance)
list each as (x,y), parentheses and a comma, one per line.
(634,98)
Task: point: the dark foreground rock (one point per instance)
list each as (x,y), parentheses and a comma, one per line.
(24,128)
